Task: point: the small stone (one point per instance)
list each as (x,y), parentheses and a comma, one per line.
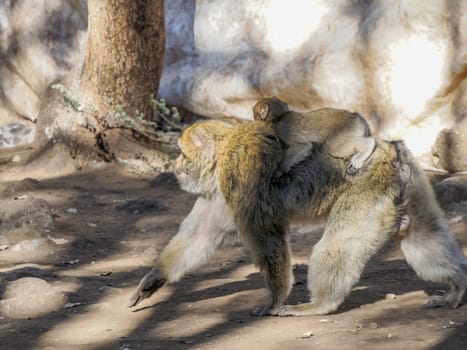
(28,245)
(19,198)
(389,335)
(390,296)
(58,241)
(307,335)
(324,320)
(71,262)
(72,210)
(456,219)
(71,305)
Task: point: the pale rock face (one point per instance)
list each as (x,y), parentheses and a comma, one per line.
(399,63)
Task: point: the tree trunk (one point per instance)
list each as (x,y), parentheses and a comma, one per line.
(122,66)
(124,55)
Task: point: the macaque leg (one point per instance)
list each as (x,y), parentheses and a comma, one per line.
(273,258)
(294,155)
(436,257)
(359,147)
(200,233)
(337,260)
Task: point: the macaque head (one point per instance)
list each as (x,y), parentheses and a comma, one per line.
(269,109)
(195,168)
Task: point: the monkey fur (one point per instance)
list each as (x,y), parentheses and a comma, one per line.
(231,168)
(343,133)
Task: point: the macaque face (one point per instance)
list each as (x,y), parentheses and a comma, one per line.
(195,166)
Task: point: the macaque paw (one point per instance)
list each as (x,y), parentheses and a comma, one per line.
(148,285)
(286,310)
(443,300)
(356,164)
(262,311)
(351,170)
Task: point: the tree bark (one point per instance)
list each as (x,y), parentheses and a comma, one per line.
(124,57)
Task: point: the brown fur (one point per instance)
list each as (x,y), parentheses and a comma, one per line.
(231,168)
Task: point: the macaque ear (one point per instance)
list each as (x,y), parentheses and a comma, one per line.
(263,113)
(405,173)
(203,140)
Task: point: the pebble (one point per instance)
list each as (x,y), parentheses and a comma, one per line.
(307,335)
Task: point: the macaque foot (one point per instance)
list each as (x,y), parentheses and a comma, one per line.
(356,163)
(404,222)
(351,170)
(148,285)
(443,300)
(304,309)
(265,311)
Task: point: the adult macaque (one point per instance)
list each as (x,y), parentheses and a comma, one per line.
(231,168)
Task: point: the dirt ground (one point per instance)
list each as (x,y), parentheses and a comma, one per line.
(109,224)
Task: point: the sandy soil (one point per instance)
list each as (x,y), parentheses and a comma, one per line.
(108,226)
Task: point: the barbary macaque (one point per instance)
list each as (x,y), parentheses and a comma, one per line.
(343,133)
(231,167)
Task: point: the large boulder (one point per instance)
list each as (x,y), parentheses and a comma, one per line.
(30,297)
(402,64)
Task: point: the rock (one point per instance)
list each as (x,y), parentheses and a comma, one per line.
(452,192)
(390,296)
(325,62)
(25,220)
(19,95)
(36,51)
(450,149)
(13,188)
(307,335)
(14,135)
(30,297)
(29,245)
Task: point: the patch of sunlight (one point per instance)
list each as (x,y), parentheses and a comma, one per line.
(289,23)
(98,324)
(418,137)
(27,265)
(417,71)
